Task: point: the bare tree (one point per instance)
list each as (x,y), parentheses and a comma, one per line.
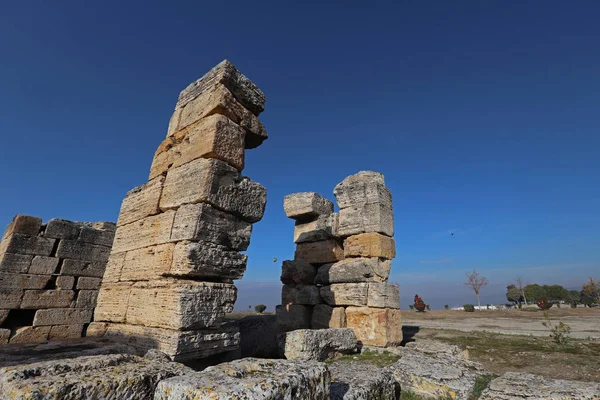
(476,282)
(521,286)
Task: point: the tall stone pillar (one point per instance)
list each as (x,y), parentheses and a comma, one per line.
(339,275)
(179,237)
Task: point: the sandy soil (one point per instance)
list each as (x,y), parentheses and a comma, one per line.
(585,323)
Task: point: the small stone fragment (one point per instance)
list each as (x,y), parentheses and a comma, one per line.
(305,206)
(325,251)
(317,344)
(4,335)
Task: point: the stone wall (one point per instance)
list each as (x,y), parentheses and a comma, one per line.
(339,275)
(179,238)
(49,277)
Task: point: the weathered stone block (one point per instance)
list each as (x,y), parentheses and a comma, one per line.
(23,281)
(345,294)
(62,229)
(325,251)
(298,272)
(306,206)
(3,315)
(370,245)
(207,260)
(324,317)
(323,228)
(65,282)
(4,335)
(217,183)
(178,345)
(317,345)
(380,327)
(291,317)
(141,202)
(219,100)
(365,187)
(148,231)
(24,224)
(16,263)
(184,305)
(215,136)
(113,299)
(251,378)
(203,222)
(10,298)
(30,334)
(302,294)
(86,299)
(65,332)
(354,270)
(86,282)
(225,73)
(517,385)
(47,299)
(102,237)
(78,250)
(147,263)
(383,295)
(437,377)
(107,377)
(367,218)
(42,265)
(19,243)
(83,268)
(114,267)
(62,316)
(361,381)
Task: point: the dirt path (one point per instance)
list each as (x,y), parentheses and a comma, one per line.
(584,324)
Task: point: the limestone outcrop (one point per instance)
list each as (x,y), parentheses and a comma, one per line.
(361,381)
(169,279)
(339,275)
(49,277)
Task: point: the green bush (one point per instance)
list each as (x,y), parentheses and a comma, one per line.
(469,307)
(558,333)
(446,307)
(260,308)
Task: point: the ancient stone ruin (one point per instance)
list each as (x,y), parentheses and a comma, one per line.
(49,277)
(179,238)
(339,275)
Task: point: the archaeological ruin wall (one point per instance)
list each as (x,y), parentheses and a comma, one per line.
(49,277)
(180,237)
(339,275)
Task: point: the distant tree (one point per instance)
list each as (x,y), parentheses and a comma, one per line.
(475,281)
(574,297)
(590,292)
(556,293)
(534,291)
(260,308)
(249,308)
(411,306)
(469,307)
(446,307)
(513,294)
(521,286)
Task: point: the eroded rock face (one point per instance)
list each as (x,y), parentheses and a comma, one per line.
(317,344)
(110,377)
(306,206)
(354,381)
(251,378)
(517,386)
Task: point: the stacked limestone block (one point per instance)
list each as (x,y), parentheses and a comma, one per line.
(49,277)
(179,238)
(339,275)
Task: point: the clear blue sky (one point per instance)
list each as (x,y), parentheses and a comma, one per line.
(483,116)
